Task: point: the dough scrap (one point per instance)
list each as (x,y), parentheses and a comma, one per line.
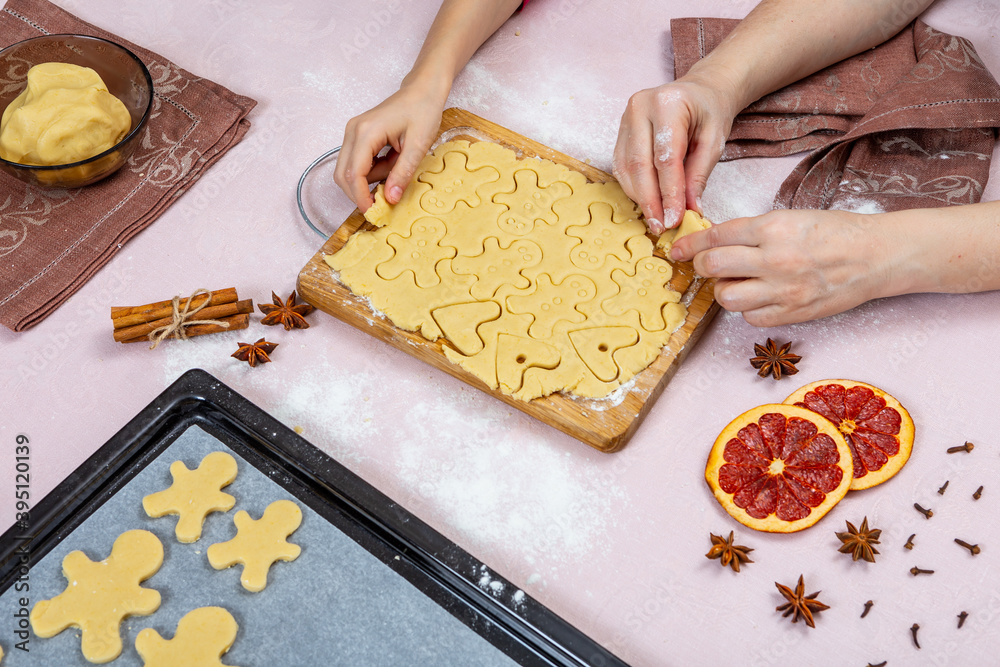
(203,636)
(539,280)
(259,544)
(65,114)
(691,223)
(100,595)
(194,494)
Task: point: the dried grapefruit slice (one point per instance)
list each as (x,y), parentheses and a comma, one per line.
(878,429)
(779,468)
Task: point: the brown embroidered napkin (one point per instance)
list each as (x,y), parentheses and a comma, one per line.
(908,124)
(53,241)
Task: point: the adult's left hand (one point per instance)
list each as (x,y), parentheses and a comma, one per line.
(791,266)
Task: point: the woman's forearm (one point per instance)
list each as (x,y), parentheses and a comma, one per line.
(954,249)
(460,28)
(408,119)
(782,41)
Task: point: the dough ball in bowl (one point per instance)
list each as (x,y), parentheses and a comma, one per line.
(89,95)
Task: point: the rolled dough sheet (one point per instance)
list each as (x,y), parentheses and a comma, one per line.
(539,280)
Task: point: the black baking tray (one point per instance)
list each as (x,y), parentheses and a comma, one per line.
(527,632)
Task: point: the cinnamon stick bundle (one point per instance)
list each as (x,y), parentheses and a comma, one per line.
(207,313)
(133,324)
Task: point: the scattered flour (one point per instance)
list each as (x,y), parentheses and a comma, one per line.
(569,122)
(448,453)
(856,205)
(311,401)
(544,504)
(661,145)
(692,291)
(735,190)
(488,583)
(497,588)
(612,400)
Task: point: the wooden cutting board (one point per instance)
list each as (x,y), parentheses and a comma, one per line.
(605,424)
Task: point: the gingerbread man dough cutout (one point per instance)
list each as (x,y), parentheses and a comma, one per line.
(454,183)
(203,636)
(419,252)
(258,544)
(194,494)
(647,291)
(100,595)
(503,266)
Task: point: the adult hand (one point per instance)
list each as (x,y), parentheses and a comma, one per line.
(669,141)
(408,121)
(791,266)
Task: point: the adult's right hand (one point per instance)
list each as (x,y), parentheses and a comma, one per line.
(408,121)
(669,141)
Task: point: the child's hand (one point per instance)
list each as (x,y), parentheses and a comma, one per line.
(791,266)
(668,143)
(408,121)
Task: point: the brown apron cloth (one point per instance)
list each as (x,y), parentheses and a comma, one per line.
(908,124)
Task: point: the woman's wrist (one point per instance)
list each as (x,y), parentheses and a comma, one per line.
(729,87)
(924,250)
(885,254)
(428,81)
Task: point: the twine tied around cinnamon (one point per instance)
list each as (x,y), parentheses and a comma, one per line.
(181,318)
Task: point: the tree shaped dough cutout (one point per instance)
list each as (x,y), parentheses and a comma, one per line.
(194,494)
(203,636)
(459,322)
(99,595)
(597,347)
(259,544)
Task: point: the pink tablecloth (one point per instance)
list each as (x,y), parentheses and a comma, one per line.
(614,543)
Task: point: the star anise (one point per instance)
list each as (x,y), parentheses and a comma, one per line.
(859,542)
(727,552)
(287,314)
(255,353)
(799,604)
(772,360)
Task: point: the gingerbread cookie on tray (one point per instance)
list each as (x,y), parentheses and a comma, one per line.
(259,544)
(100,595)
(194,494)
(203,636)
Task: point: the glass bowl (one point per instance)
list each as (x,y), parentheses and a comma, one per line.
(123,73)
(322,204)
